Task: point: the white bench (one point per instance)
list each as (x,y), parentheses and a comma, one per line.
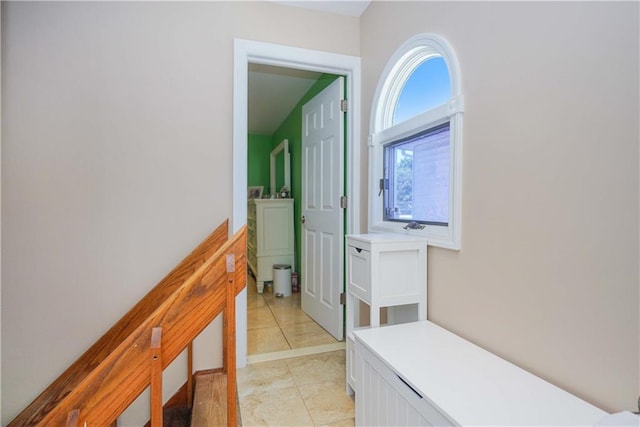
(421,374)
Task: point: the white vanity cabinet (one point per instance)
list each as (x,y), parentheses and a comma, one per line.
(421,374)
(270,237)
(384,270)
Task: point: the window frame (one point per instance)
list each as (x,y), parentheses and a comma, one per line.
(399,68)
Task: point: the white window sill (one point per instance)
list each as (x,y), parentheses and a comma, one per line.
(437,236)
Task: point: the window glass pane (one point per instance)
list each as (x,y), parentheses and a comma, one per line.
(427,87)
(417,177)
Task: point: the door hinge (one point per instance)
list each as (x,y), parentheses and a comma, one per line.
(343,298)
(344,201)
(344,105)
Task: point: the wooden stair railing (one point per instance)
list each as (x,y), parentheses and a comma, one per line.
(109,376)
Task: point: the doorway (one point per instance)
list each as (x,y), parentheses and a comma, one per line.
(246,52)
(295,153)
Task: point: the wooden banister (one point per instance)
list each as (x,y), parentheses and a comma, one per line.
(72,418)
(109,376)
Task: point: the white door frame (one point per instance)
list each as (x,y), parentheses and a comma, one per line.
(246,51)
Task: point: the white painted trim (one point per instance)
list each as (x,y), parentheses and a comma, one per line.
(296,352)
(399,67)
(246,51)
(0,232)
(431,118)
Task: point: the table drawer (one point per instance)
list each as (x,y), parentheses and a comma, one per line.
(359,272)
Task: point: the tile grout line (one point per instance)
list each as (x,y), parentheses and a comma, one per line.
(304,402)
(278,323)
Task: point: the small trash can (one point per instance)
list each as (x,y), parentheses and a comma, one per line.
(282,280)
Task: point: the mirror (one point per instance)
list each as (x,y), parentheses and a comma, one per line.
(286,165)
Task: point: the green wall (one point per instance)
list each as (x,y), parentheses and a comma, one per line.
(258,150)
(291,129)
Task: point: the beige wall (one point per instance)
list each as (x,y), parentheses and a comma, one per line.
(548,272)
(116,159)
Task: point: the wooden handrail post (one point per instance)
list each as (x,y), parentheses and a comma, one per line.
(230,340)
(72,418)
(156,377)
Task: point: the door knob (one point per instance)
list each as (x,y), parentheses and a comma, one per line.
(303,219)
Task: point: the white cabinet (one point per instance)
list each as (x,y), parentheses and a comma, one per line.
(421,374)
(270,237)
(384,270)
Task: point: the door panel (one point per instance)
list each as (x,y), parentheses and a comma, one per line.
(309,267)
(322,186)
(327,245)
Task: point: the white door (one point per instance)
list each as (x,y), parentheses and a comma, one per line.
(323,219)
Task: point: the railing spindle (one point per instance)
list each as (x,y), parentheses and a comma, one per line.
(190,375)
(229,338)
(156,377)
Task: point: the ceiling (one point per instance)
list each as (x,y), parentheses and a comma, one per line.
(275,91)
(342,7)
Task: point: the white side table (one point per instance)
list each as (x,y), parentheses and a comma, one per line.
(384,270)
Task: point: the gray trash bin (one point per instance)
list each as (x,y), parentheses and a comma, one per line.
(282,280)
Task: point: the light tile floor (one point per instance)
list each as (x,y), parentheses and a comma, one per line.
(300,391)
(278,324)
(296,391)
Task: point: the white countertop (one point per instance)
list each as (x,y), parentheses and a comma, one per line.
(471,385)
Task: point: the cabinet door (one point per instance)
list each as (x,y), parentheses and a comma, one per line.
(359,273)
(384,399)
(275,230)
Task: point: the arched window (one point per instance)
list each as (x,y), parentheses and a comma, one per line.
(427,87)
(416,143)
